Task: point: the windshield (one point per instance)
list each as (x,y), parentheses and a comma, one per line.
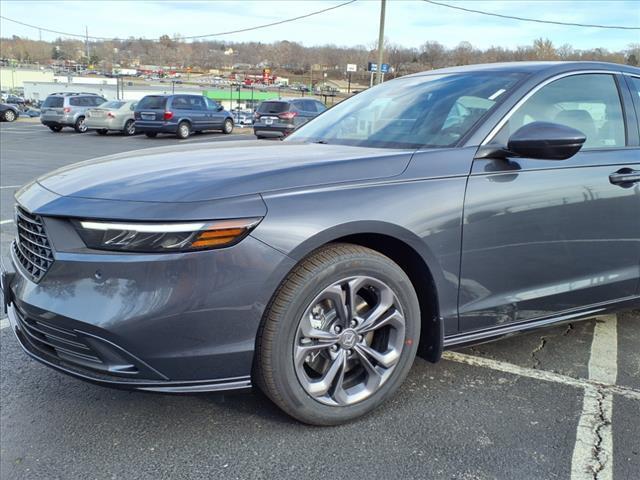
(423,111)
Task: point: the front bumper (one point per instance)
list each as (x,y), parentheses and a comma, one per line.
(160,322)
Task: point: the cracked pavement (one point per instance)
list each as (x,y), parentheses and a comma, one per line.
(450,420)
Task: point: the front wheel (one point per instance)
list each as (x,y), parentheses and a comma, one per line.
(227,126)
(339,336)
(80,125)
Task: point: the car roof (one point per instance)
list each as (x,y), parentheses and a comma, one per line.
(532,67)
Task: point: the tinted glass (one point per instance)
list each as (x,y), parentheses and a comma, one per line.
(97,101)
(152,102)
(53,102)
(309,106)
(77,101)
(273,107)
(635,87)
(413,112)
(321,107)
(589,103)
(112,104)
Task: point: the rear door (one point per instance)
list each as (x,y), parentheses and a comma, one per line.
(633,81)
(543,238)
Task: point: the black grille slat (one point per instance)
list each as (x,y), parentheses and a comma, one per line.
(54,344)
(32,247)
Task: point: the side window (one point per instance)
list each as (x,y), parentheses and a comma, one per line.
(587,102)
(98,101)
(320,107)
(197,103)
(179,103)
(75,101)
(133,106)
(635,86)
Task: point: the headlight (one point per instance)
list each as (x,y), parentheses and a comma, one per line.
(163,237)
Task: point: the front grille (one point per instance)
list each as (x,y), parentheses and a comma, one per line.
(32,247)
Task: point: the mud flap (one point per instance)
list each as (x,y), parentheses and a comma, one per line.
(432,340)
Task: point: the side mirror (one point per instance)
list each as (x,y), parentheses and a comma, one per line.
(539,140)
(219,108)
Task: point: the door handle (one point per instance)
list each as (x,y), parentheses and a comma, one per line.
(625,176)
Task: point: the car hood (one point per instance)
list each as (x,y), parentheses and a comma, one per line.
(191,173)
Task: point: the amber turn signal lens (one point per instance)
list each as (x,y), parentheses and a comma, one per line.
(217,238)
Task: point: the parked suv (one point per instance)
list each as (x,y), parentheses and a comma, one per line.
(278,118)
(68,110)
(181,115)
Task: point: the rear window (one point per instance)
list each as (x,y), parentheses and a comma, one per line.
(112,104)
(151,102)
(53,102)
(273,107)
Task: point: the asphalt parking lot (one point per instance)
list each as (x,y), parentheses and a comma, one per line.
(563,402)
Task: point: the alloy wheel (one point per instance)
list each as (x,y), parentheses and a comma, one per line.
(130,128)
(349,340)
(9,115)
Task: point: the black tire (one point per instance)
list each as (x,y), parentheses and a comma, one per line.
(129,128)
(9,116)
(227,126)
(151,134)
(274,370)
(102,131)
(184,130)
(80,126)
(55,128)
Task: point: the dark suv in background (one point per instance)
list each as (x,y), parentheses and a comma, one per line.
(181,115)
(68,109)
(278,118)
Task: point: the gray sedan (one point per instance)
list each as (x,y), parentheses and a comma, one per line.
(437,209)
(114,115)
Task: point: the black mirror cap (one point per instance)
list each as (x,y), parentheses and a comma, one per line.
(546,141)
(220,108)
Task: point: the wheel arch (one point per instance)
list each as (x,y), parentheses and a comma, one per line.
(411,254)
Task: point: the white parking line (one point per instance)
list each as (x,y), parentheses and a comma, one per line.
(9,186)
(593,451)
(2,222)
(543,375)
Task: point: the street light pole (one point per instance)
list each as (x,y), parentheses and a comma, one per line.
(383,4)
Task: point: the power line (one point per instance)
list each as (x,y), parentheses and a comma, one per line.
(193,37)
(535,20)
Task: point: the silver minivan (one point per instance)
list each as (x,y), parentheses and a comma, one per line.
(68,109)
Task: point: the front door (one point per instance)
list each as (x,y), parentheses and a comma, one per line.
(544,237)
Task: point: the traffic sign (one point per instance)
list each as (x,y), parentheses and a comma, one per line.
(352,67)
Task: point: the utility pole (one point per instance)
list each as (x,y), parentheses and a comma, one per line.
(383,4)
(86,41)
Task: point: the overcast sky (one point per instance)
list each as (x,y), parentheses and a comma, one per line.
(409,22)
